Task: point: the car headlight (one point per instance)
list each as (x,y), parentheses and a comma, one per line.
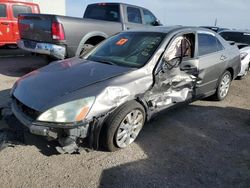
(74,111)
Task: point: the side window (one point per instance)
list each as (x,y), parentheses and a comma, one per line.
(182,46)
(19,9)
(134,15)
(207,44)
(149,18)
(3,13)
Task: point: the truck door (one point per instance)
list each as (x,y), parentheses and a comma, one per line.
(5,33)
(133,18)
(176,76)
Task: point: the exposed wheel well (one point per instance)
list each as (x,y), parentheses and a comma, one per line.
(95,40)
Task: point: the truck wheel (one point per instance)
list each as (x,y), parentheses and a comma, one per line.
(223,87)
(12,46)
(85,49)
(123,126)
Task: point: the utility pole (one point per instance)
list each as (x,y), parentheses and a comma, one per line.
(215,23)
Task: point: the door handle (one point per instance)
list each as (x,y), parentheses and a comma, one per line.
(223,57)
(5,23)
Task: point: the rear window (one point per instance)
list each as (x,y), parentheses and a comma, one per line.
(238,37)
(103,11)
(3,11)
(20,9)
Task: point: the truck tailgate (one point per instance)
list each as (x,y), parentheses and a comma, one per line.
(36,27)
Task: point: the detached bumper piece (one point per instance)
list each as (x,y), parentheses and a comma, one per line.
(67,137)
(53,50)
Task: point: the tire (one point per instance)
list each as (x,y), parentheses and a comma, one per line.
(85,49)
(224,86)
(115,126)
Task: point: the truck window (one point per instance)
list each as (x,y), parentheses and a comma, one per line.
(20,9)
(134,15)
(103,11)
(3,11)
(149,18)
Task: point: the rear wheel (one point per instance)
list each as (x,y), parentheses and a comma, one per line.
(123,126)
(85,49)
(223,87)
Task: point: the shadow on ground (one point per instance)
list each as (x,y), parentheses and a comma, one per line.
(17,66)
(193,146)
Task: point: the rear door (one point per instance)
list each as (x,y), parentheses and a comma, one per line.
(5,34)
(133,18)
(17,9)
(212,60)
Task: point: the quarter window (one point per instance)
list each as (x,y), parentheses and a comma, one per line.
(208,44)
(19,9)
(3,13)
(149,17)
(134,15)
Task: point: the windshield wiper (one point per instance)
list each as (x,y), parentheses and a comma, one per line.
(106,62)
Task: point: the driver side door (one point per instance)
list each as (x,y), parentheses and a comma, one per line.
(175,80)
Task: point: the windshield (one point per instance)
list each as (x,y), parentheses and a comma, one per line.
(132,49)
(238,37)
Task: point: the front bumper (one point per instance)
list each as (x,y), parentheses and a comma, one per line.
(53,50)
(245,64)
(47,130)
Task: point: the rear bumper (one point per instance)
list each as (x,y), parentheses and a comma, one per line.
(53,50)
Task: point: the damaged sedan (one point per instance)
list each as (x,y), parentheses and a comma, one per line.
(105,98)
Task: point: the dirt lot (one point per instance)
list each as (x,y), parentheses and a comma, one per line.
(204,144)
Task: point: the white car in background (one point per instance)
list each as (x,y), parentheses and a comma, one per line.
(242,40)
(245,61)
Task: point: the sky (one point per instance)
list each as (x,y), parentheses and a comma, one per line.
(229,13)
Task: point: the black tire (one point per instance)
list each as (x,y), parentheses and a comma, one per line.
(108,141)
(218,96)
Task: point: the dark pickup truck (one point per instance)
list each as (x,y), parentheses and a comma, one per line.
(62,37)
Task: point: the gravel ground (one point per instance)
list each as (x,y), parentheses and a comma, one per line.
(204,144)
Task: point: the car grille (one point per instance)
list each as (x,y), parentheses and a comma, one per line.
(27,111)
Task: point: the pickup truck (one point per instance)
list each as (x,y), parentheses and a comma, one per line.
(9,11)
(63,37)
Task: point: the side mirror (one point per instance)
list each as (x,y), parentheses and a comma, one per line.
(156,23)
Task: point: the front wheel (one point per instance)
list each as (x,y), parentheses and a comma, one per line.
(223,87)
(123,126)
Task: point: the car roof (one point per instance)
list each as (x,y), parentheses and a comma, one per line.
(170,29)
(235,31)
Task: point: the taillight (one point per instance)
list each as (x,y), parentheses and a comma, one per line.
(58,31)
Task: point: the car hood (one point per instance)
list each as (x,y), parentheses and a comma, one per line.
(43,86)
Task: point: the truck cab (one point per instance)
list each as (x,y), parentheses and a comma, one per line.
(9,11)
